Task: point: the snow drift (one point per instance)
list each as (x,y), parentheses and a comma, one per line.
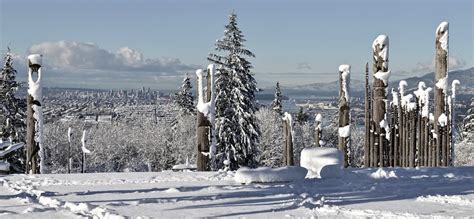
(267,174)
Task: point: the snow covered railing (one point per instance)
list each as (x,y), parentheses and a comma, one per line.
(10,148)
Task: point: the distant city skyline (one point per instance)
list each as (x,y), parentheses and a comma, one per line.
(132,44)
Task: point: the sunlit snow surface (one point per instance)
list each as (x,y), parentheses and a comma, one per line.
(359,193)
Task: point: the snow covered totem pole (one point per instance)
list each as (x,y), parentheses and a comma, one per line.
(69,159)
(368,148)
(440,93)
(379,110)
(451,104)
(344,113)
(84,151)
(206,141)
(34,139)
(289,139)
(318,131)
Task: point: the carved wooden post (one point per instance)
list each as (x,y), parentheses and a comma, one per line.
(440,92)
(400,130)
(69,160)
(373,148)
(452,119)
(395,127)
(288,134)
(344,112)
(381,75)
(318,130)
(84,151)
(203,129)
(367,146)
(34,135)
(412,134)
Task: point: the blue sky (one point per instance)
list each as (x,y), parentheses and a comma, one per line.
(295,42)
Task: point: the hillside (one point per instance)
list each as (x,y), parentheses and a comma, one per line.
(357,86)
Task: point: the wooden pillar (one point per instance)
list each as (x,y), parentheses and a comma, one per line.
(317,130)
(367,146)
(203,130)
(288,134)
(34,122)
(373,150)
(381,73)
(344,112)
(441,80)
(452,120)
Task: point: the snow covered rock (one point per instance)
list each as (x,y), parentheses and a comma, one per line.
(267,174)
(322,162)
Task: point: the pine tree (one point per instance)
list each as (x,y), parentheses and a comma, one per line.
(276,104)
(12,111)
(302,116)
(236,126)
(184,98)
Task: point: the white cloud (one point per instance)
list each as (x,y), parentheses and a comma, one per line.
(79,64)
(454,63)
(79,55)
(303,65)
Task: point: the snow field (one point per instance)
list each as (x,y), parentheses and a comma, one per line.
(385,192)
(266,174)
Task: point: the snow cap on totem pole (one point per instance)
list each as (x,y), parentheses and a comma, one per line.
(380,47)
(442,35)
(35,61)
(345,71)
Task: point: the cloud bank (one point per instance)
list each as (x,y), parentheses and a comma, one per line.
(79,64)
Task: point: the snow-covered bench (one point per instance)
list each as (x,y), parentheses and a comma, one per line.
(5,149)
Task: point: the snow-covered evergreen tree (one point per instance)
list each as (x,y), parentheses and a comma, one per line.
(236,126)
(184,97)
(276,103)
(271,140)
(464,148)
(469,119)
(302,116)
(12,108)
(12,112)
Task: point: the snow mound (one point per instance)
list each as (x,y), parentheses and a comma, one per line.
(382,174)
(322,162)
(267,174)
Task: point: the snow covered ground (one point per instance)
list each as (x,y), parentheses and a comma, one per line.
(389,192)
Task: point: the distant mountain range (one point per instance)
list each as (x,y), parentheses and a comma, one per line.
(466,77)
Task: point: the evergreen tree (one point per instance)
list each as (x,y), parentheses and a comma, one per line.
(236,126)
(12,112)
(276,104)
(184,98)
(302,116)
